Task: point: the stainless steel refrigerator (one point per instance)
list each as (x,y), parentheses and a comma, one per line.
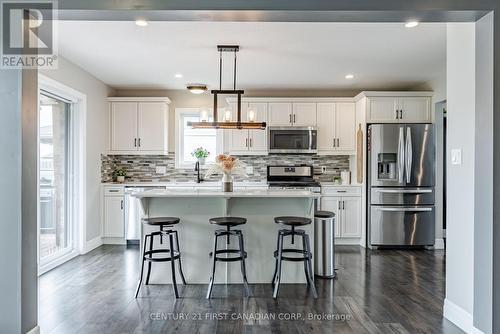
(401,178)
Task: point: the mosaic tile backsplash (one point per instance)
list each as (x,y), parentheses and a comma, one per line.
(142,168)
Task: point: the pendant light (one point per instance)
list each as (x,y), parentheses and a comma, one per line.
(238,92)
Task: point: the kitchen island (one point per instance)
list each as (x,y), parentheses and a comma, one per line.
(196,234)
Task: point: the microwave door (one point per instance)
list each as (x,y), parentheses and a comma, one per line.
(386,155)
(420,155)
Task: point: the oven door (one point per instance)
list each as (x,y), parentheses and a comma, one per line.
(292,140)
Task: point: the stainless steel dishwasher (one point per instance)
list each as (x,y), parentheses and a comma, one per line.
(134,213)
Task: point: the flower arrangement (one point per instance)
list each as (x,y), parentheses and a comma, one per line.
(227,165)
(200,153)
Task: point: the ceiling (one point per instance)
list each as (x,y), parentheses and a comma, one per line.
(273,55)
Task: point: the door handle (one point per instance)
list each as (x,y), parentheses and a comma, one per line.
(409,155)
(404,191)
(401,155)
(405,209)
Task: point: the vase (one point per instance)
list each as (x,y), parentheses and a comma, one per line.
(227,182)
(120,179)
(201,161)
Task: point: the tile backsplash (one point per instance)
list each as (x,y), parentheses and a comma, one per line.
(142,168)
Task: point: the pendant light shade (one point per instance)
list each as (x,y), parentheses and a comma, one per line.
(227,124)
(197,88)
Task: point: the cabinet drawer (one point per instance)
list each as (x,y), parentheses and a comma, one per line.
(341,191)
(113,191)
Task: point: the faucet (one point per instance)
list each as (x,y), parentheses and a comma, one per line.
(197,169)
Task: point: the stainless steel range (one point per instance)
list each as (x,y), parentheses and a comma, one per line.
(292,177)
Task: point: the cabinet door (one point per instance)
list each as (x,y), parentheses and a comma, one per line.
(258,138)
(239,141)
(351,217)
(332,204)
(152,128)
(382,110)
(326,128)
(304,114)
(415,109)
(123,126)
(345,126)
(280,114)
(114,222)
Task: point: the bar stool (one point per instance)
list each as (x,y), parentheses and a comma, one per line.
(305,252)
(217,254)
(173,251)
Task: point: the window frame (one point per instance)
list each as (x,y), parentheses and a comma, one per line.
(179,137)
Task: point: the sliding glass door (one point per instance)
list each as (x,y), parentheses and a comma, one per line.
(55,223)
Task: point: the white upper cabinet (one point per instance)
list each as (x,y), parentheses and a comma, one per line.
(139,125)
(123,126)
(304,114)
(249,142)
(415,109)
(336,128)
(384,109)
(280,114)
(152,130)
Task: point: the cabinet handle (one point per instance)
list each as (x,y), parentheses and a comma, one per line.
(401,114)
(121,204)
(290,118)
(246,142)
(343,205)
(333,142)
(338,142)
(397,114)
(340,205)
(135,142)
(139,141)
(294,118)
(250,142)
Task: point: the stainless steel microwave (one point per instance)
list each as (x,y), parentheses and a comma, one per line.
(289,139)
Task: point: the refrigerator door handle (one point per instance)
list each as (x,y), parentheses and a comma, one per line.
(409,155)
(398,209)
(401,155)
(404,191)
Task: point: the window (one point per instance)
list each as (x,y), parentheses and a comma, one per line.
(187,139)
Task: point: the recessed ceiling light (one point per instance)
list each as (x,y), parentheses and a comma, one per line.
(411,24)
(178,75)
(197,88)
(349,76)
(141,23)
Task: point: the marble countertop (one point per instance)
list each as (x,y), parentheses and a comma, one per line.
(237,193)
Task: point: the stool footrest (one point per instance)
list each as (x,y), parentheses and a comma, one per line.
(176,255)
(307,255)
(229,251)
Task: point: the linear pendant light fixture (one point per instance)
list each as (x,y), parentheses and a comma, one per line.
(227,125)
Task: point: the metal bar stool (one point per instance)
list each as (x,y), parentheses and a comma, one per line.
(173,251)
(281,253)
(224,255)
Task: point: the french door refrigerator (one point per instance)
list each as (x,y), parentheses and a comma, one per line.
(401,179)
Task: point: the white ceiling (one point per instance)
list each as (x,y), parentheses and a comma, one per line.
(273,55)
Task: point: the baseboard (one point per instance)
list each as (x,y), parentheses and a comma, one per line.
(92,244)
(477,331)
(347,241)
(114,241)
(34,330)
(458,316)
(439,244)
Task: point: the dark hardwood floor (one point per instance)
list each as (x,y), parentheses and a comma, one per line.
(385,291)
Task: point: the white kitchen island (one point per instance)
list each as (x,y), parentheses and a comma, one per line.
(196,234)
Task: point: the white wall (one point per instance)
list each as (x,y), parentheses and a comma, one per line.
(96,137)
(460,179)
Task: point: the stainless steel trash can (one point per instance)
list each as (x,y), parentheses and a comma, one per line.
(324,244)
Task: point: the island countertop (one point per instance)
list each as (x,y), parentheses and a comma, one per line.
(258,193)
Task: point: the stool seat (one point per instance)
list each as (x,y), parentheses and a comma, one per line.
(158,221)
(324,214)
(292,221)
(228,221)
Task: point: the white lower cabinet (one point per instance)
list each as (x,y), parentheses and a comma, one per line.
(347,213)
(114,219)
